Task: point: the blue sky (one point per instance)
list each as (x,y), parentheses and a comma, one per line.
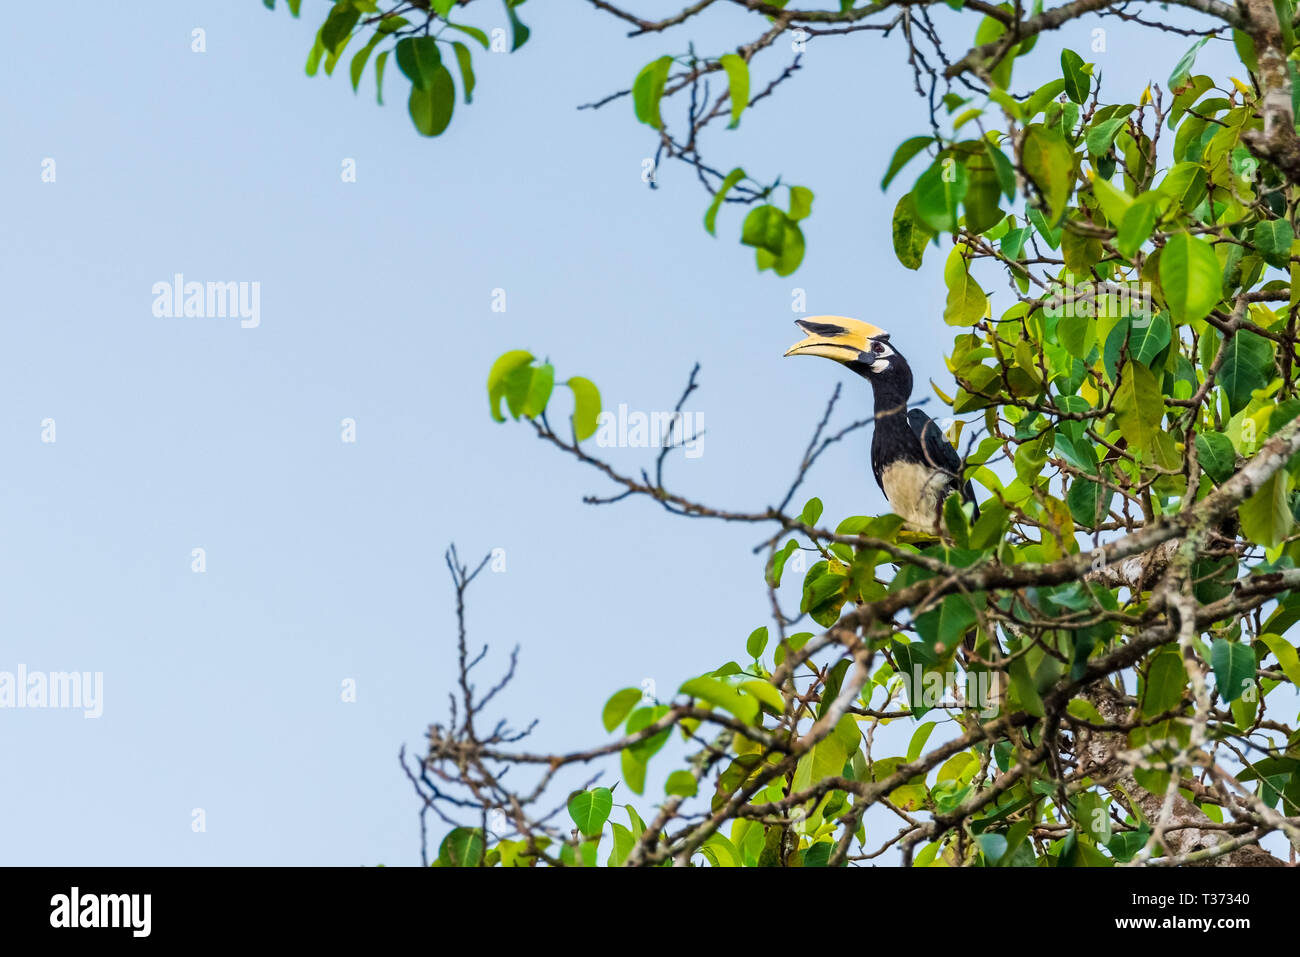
(324,559)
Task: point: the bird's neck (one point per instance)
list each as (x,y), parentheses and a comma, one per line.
(892,393)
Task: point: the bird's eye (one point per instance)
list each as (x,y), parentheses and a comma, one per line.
(877,348)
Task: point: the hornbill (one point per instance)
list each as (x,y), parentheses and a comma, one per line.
(915,465)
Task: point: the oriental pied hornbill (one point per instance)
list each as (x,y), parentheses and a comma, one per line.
(915,465)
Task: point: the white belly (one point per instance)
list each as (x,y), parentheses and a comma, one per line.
(916,494)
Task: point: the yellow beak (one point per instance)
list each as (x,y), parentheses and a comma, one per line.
(835,337)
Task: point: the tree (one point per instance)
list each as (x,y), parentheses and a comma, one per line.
(1133,428)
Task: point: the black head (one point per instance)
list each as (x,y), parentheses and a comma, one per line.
(880,361)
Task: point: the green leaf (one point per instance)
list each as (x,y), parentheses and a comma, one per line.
(1049,162)
(431,108)
(1136,226)
(812,511)
(1186,184)
(590,810)
(1217,457)
(619,706)
(910,234)
(792,252)
(778,562)
(1191,277)
(1081,252)
(1234,667)
(501,369)
(992,846)
(358,64)
(463,847)
(724,696)
(681,784)
(337,28)
(1050,232)
(903,155)
(642,718)
(1026,692)
(819,855)
(1247,366)
(472,32)
(518,386)
(633,768)
(418,59)
(778,241)
(1114,203)
(1243,711)
(938,192)
(956,616)
(991,527)
(765,693)
(1089,502)
(1041,97)
(1139,405)
(919,737)
(1266,516)
(1165,679)
(540,387)
(1184,66)
(1102,135)
(648,89)
(1244,44)
(1002,168)
(623,844)
(1286,656)
(381,61)
(466,64)
(756,642)
(721,852)
(1077,83)
(314,55)
(711,215)
(737,84)
(801,200)
(1008,103)
(518,32)
(764,228)
(1273,239)
(1085,710)
(586,407)
(828,757)
(982,194)
(966,303)
(954,520)
(1126,844)
(1148,339)
(824,592)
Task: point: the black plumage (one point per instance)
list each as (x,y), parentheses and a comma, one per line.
(939,452)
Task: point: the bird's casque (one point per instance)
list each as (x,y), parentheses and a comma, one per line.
(914,464)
